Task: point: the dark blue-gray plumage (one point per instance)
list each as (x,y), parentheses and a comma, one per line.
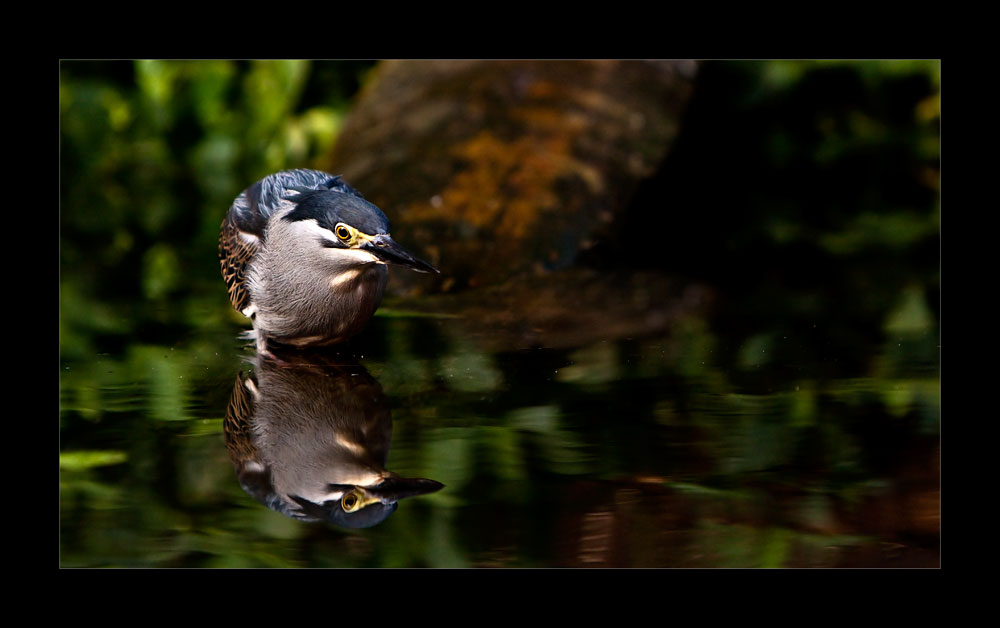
(304,256)
(325,207)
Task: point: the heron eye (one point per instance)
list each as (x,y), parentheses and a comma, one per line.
(343,233)
(349,502)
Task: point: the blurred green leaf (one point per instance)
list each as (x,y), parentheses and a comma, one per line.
(83,460)
(161,272)
(892,230)
(596,364)
(470,371)
(757,350)
(775,548)
(910,316)
(804,407)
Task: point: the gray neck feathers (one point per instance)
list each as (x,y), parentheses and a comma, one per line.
(302,288)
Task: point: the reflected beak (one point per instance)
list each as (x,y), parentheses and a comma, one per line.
(385,248)
(395,488)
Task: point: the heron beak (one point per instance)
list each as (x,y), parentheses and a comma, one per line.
(385,248)
(395,488)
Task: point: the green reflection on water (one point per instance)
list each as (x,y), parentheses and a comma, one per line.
(764,478)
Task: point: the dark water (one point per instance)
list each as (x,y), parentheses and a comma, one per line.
(682,449)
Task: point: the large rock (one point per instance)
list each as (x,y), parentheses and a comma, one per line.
(496,169)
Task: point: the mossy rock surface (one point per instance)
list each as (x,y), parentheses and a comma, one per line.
(493,169)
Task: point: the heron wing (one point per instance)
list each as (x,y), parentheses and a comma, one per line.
(237,246)
(236,425)
(244,225)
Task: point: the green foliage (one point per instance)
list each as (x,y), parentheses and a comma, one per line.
(808,192)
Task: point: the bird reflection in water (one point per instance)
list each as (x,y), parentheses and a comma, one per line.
(309,435)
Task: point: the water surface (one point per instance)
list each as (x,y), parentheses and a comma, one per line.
(681,449)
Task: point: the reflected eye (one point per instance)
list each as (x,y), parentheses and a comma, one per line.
(350,502)
(343,232)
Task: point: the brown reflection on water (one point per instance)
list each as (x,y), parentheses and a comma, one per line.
(648,522)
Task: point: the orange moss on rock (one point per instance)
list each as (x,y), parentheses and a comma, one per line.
(491,169)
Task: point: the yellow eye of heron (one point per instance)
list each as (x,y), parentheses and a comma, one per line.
(349,502)
(343,232)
